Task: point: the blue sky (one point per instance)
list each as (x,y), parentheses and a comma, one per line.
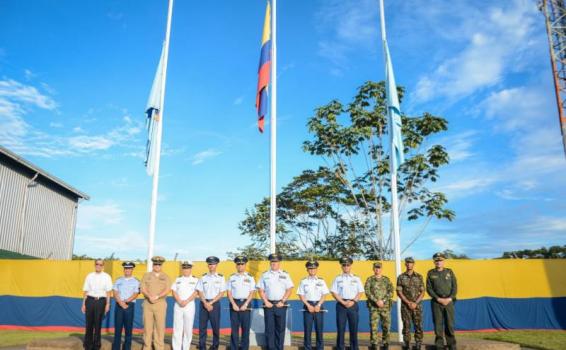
(75,77)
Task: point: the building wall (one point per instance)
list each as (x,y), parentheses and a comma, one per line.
(36,218)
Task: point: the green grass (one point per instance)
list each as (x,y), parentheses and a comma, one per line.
(544,340)
(13,338)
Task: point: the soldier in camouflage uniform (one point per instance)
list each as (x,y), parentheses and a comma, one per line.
(410,289)
(379,292)
(442,287)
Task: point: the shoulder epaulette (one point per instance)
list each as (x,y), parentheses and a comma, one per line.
(221,275)
(284,271)
(204,274)
(235,273)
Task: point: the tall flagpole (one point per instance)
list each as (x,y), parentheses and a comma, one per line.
(153,210)
(393,170)
(273,167)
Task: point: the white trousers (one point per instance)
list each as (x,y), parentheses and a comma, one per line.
(183,319)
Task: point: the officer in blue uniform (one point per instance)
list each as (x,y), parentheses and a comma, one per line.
(274,287)
(211,288)
(126,290)
(241,289)
(312,291)
(347,289)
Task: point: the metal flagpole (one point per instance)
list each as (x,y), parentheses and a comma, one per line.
(273,157)
(153,211)
(393,169)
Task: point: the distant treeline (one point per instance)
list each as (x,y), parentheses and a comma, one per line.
(553,252)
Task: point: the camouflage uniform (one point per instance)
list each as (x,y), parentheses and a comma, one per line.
(379,289)
(411,285)
(442,284)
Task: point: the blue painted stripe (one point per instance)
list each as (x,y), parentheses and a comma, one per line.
(265,55)
(471,314)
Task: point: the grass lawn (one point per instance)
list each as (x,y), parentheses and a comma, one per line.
(11,338)
(544,340)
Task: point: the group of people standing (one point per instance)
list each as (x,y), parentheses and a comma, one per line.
(274,287)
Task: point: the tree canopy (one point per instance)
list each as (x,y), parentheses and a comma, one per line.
(342,206)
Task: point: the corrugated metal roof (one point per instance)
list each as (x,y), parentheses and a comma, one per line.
(43,173)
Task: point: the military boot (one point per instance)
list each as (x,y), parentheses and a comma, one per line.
(385,346)
(406,346)
(418,346)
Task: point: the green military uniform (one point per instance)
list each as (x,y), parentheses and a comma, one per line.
(442,284)
(379,289)
(411,285)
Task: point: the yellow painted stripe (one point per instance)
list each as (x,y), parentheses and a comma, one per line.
(267,25)
(476,278)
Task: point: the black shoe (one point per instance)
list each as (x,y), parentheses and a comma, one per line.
(373,347)
(385,346)
(418,346)
(406,346)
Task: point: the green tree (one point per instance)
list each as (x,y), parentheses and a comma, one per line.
(340,207)
(554,252)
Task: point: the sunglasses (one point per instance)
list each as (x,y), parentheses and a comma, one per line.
(156,264)
(99,264)
(346,265)
(240,264)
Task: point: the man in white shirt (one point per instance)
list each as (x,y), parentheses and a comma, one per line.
(184,292)
(347,289)
(274,287)
(96,303)
(241,289)
(312,291)
(211,288)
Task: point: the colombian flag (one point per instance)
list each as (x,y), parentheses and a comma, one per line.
(264,70)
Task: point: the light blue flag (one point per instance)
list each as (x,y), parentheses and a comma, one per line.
(393,110)
(153,111)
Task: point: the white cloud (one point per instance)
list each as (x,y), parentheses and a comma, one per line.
(444,243)
(15,91)
(200,157)
(459,146)
(91,215)
(352,26)
(16,101)
(517,107)
(497,41)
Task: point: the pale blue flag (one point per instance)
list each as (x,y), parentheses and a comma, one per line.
(394,111)
(153,111)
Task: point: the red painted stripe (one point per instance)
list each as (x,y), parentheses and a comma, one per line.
(81,329)
(262,81)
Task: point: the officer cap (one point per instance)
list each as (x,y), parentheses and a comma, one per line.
(275,257)
(346,260)
(438,256)
(158,260)
(409,259)
(240,259)
(377,264)
(187,264)
(311,264)
(212,260)
(128,265)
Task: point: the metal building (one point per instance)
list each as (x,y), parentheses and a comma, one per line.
(38,211)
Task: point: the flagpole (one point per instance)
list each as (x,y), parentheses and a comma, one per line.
(273,157)
(154,193)
(393,170)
